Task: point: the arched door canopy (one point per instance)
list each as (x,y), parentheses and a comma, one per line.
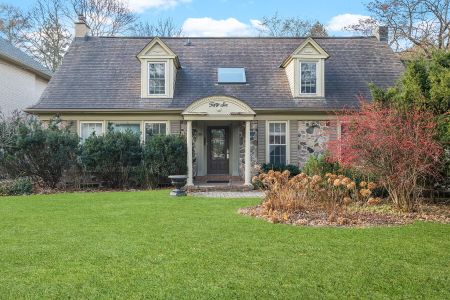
(218,108)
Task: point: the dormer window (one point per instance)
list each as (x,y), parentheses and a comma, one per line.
(157,78)
(231,75)
(159,67)
(305,70)
(308,78)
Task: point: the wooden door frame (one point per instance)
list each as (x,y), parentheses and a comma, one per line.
(208,146)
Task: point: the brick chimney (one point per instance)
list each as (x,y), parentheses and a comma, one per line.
(81,28)
(382,33)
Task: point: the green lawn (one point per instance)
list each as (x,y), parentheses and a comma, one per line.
(148,245)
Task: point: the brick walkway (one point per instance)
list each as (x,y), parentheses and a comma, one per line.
(220,194)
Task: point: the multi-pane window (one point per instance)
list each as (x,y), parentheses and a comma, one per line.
(90,128)
(155,128)
(308,78)
(277,143)
(125,126)
(156,78)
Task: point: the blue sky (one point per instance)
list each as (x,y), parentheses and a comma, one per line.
(240,17)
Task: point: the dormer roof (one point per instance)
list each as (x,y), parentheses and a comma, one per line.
(156,48)
(309,48)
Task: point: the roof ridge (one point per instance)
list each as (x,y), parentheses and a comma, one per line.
(237,37)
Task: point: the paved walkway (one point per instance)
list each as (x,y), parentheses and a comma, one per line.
(220,194)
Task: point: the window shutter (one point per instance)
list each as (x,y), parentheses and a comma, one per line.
(293,142)
(261,141)
(175,127)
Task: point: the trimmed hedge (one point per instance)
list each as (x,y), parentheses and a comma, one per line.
(112,157)
(164,155)
(30,149)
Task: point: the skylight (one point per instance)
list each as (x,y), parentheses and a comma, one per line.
(231,75)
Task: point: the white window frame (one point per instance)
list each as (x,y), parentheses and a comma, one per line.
(320,77)
(300,76)
(144,134)
(90,122)
(166,78)
(137,122)
(288,142)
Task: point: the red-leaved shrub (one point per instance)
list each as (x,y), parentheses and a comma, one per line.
(397,147)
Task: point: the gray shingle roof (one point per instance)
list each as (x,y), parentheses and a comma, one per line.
(104,73)
(11,53)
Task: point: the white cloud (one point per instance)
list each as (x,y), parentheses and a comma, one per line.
(141,5)
(337,23)
(257,24)
(219,28)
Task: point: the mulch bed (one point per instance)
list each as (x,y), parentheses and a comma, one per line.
(354,216)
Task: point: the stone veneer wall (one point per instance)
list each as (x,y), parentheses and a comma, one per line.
(313,137)
(253,147)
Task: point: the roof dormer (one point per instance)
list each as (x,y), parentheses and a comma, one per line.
(305,69)
(159,65)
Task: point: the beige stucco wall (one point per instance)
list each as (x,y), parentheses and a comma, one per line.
(19,88)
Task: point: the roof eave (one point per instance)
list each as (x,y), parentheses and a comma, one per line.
(27,67)
(32,110)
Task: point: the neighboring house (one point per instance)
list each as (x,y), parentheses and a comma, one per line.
(22,79)
(239,101)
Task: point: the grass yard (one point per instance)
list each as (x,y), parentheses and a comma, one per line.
(148,245)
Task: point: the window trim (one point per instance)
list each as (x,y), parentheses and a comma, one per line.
(288,140)
(90,122)
(154,122)
(165,78)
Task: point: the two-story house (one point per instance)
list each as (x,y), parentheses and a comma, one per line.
(239,101)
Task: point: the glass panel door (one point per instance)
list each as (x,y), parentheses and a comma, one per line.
(218,152)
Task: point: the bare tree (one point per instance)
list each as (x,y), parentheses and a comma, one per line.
(318,30)
(13,23)
(291,27)
(163,27)
(104,17)
(412,24)
(364,26)
(48,38)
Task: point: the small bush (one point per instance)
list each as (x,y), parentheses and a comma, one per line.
(293,169)
(113,157)
(319,165)
(164,155)
(19,186)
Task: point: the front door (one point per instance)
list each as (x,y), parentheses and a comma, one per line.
(218,152)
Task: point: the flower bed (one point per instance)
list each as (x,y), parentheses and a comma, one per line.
(358,216)
(331,200)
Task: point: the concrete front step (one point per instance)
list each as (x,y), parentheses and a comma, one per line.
(209,178)
(210,187)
